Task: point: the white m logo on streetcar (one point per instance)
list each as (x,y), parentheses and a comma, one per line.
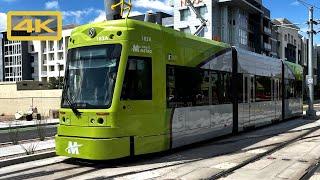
(73,147)
(136,48)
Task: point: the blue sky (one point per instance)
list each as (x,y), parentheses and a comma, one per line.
(84,11)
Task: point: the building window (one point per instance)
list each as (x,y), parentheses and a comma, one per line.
(295,42)
(291,39)
(244,19)
(61,67)
(32,69)
(286,37)
(32,59)
(184,14)
(186,30)
(32,48)
(202,10)
(51,68)
(243,36)
(263,88)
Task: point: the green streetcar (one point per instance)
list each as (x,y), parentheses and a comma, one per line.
(134,87)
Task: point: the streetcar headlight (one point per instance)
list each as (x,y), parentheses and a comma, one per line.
(63,120)
(100,121)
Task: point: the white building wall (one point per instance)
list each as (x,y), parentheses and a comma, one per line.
(51,54)
(12,61)
(285,40)
(192,21)
(226,24)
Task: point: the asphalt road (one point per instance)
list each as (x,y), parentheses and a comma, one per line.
(27,133)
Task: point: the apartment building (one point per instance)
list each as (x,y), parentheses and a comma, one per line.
(291,44)
(157,17)
(50,56)
(242,23)
(33,60)
(1,59)
(16,61)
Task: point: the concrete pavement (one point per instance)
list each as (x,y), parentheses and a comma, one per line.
(202,160)
(22,148)
(22,123)
(291,162)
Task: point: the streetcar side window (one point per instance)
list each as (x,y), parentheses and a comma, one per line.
(137,84)
(263,88)
(293,89)
(197,87)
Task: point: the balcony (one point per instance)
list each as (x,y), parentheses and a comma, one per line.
(267,30)
(44,73)
(9,74)
(60,58)
(8,64)
(60,47)
(11,42)
(6,53)
(267,46)
(251,27)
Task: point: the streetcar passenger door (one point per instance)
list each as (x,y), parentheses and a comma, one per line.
(248,116)
(276,98)
(136,105)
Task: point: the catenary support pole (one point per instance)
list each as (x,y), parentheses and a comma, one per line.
(311,113)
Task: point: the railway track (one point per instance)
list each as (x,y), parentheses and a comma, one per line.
(177,164)
(258,157)
(312,169)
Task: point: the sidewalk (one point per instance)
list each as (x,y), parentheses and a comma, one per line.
(22,148)
(18,123)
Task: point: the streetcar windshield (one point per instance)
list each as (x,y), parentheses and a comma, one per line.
(90,76)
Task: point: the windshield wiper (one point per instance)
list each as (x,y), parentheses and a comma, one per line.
(71,105)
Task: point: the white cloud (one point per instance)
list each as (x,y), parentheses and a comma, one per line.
(101,16)
(295,3)
(3,21)
(157,5)
(52,5)
(133,13)
(9,0)
(78,16)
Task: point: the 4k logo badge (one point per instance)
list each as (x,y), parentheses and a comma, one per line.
(73,148)
(34,25)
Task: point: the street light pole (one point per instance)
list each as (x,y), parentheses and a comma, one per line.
(311,113)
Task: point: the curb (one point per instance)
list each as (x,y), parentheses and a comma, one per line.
(28,158)
(32,125)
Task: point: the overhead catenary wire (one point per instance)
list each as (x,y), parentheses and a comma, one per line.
(306,4)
